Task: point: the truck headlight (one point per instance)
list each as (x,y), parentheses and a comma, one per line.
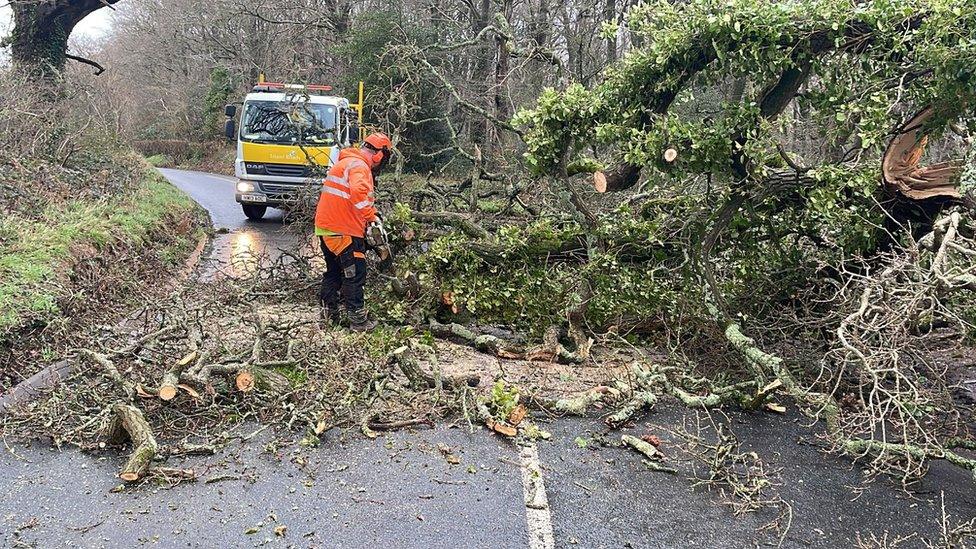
(244,187)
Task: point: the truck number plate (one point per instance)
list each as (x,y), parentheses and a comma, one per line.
(253,198)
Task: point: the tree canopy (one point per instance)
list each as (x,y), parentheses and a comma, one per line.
(856,70)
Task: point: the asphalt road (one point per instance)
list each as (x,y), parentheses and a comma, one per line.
(240,243)
(216,194)
(580,489)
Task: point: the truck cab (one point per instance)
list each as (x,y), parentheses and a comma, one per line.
(288,136)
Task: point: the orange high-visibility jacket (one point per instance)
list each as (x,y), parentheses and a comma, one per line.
(346,203)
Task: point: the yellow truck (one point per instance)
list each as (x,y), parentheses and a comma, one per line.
(288,136)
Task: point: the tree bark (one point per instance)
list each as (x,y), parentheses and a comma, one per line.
(129,423)
(610,16)
(481,72)
(39,39)
(502,65)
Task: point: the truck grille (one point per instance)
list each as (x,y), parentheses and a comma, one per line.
(286,170)
(278,188)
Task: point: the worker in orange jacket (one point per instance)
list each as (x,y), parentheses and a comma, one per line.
(344,212)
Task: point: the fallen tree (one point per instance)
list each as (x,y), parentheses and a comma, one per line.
(750,211)
(747,233)
(213,359)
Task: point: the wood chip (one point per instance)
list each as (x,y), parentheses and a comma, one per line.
(190,357)
(653,440)
(190,391)
(501,427)
(771,386)
(775,407)
(517,415)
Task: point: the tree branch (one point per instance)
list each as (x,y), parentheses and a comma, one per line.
(98,68)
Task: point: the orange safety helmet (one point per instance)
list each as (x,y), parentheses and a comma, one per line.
(380,143)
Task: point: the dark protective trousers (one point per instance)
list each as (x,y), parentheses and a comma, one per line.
(345,275)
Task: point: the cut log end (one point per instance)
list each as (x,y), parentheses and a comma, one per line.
(167,392)
(600,182)
(263,380)
(244,381)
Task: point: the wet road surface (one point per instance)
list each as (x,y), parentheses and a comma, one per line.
(240,243)
(400,491)
(582,490)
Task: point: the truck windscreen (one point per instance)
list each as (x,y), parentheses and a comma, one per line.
(289,123)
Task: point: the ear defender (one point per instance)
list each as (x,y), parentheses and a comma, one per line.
(380,144)
(385,158)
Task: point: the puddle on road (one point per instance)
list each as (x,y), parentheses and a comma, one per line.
(241,253)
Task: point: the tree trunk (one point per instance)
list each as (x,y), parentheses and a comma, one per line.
(502,64)
(610,16)
(39,39)
(35,43)
(482,73)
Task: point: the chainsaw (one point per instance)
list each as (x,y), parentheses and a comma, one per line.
(377,239)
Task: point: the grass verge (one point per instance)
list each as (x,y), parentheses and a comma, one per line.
(80,261)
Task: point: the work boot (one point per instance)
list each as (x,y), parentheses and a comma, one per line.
(359,321)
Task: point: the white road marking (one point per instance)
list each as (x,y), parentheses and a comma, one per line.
(538,518)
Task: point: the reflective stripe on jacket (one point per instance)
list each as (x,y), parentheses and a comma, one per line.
(346,202)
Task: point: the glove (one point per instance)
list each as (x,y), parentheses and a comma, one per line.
(376,234)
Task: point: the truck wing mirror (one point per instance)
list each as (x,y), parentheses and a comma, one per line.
(230,110)
(230,129)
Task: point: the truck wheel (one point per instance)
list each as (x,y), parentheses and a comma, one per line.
(254,212)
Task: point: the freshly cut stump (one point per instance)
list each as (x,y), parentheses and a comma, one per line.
(264,380)
(167,389)
(171,379)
